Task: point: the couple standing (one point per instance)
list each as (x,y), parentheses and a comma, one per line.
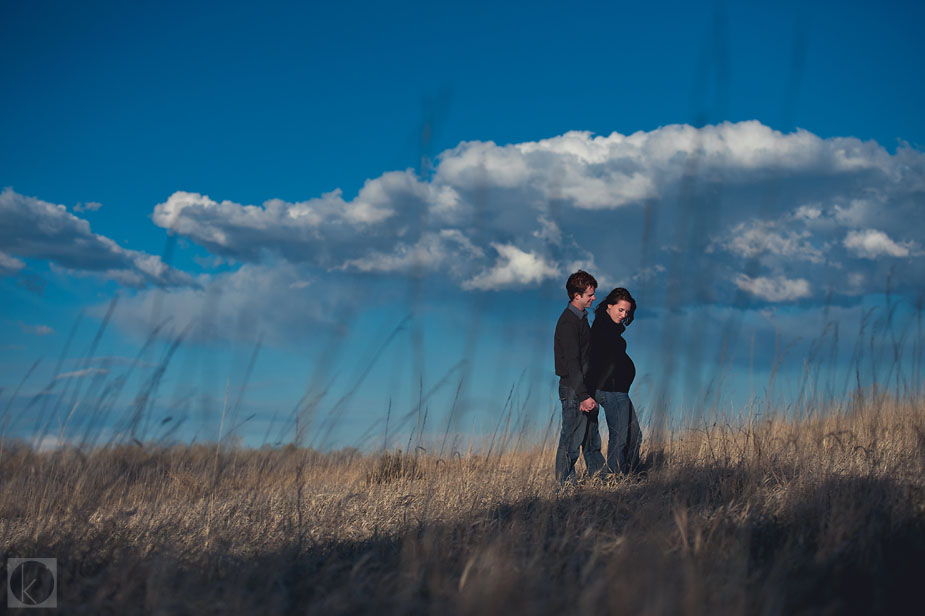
(595,371)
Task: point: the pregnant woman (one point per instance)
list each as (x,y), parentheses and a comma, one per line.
(612,373)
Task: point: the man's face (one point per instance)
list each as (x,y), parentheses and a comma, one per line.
(585,299)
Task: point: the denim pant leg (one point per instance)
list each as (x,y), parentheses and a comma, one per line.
(591,446)
(617,410)
(574,426)
(580,434)
(633,441)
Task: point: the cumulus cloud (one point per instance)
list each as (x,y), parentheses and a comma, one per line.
(731,198)
(808,212)
(90,206)
(739,206)
(758,238)
(449,249)
(548,232)
(776,289)
(32,228)
(9,265)
(514,268)
(871,244)
(302,231)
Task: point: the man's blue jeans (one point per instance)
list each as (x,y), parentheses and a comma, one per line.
(625,436)
(580,432)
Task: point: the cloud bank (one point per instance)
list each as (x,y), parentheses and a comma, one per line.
(748,207)
(721,214)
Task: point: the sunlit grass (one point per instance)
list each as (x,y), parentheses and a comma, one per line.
(765,515)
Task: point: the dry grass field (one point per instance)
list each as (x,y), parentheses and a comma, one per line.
(765,516)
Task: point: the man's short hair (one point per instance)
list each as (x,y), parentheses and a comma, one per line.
(578,282)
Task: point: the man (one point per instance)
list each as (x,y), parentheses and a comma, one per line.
(572,344)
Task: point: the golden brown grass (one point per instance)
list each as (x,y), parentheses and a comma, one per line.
(767,516)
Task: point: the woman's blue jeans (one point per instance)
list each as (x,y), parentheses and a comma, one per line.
(624,437)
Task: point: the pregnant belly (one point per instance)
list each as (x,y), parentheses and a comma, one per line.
(630,370)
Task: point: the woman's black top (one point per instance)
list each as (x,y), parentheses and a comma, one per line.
(611,368)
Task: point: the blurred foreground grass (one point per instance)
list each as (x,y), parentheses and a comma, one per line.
(764,516)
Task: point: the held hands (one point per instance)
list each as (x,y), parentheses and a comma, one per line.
(587,405)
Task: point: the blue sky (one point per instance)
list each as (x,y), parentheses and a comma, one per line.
(385,199)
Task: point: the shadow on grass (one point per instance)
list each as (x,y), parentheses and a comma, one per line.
(708,540)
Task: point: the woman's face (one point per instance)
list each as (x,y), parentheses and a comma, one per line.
(619,311)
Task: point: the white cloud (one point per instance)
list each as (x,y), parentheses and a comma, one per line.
(90,206)
(302,231)
(872,243)
(433,251)
(857,282)
(9,265)
(648,273)
(514,267)
(727,198)
(808,212)
(776,289)
(581,197)
(757,238)
(477,163)
(549,231)
(37,330)
(33,228)
(855,213)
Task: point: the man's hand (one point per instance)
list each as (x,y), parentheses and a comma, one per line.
(587,405)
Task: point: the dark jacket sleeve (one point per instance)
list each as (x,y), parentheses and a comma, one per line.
(570,359)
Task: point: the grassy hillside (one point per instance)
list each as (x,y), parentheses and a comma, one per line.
(771,516)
